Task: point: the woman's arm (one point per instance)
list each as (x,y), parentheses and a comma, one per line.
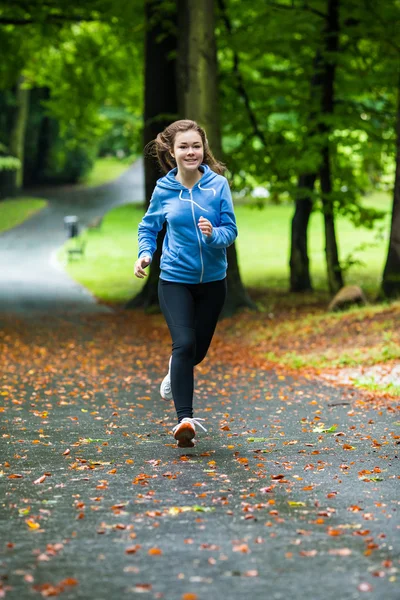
(149,227)
(225,234)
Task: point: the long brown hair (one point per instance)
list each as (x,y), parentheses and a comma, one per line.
(161,147)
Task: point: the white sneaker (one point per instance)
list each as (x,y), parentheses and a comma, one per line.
(165,387)
(185,431)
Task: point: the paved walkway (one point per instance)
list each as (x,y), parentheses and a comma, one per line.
(98,503)
(31,281)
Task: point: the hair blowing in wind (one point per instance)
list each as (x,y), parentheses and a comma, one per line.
(161,147)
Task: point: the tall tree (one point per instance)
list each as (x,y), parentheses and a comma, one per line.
(160,108)
(300,279)
(199,100)
(328,68)
(391,275)
(17,136)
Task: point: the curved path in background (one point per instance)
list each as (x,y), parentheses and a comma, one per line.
(31,281)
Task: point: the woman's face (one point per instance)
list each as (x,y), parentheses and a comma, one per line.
(188,151)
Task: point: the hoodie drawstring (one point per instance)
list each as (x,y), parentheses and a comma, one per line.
(207,190)
(190,200)
(194,221)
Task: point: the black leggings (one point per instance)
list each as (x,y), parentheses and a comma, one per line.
(191,311)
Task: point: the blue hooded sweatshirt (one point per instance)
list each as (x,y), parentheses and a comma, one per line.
(188,256)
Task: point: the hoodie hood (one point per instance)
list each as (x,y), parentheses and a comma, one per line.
(169,182)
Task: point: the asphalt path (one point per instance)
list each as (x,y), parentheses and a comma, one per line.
(97,502)
(31,280)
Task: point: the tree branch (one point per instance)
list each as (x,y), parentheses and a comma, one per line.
(240,83)
(305,7)
(53,18)
(378,17)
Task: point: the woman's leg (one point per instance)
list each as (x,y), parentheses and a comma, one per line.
(178,307)
(209,301)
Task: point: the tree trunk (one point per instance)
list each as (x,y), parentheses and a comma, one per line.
(334,273)
(17,136)
(391,275)
(300,280)
(331,35)
(160,109)
(198,98)
(44,139)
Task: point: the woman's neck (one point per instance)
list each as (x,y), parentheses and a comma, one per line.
(188,179)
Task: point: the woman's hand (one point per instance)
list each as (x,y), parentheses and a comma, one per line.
(205,226)
(140,265)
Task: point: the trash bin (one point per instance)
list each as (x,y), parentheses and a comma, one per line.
(71,224)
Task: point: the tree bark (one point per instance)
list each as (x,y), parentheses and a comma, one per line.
(198,100)
(300,280)
(331,43)
(334,273)
(44,140)
(160,109)
(390,287)
(17,136)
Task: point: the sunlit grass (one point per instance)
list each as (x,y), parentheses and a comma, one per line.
(373,386)
(105,170)
(380,353)
(264,244)
(15,211)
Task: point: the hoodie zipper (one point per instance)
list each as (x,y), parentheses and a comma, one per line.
(198,237)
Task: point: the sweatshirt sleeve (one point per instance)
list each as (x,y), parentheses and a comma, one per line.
(149,227)
(225,234)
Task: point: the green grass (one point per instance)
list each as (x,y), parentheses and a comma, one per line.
(107,267)
(365,356)
(15,211)
(372,386)
(105,170)
(264,243)
(262,246)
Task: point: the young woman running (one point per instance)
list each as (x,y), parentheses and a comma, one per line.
(195,201)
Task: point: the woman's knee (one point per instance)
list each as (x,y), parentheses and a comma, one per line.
(199,357)
(184,343)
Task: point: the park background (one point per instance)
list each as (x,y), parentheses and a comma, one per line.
(299,99)
(292,492)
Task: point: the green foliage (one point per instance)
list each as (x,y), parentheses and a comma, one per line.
(89,68)
(69,162)
(123,138)
(9,163)
(271,103)
(90,59)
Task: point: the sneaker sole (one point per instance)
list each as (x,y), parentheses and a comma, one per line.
(185,444)
(185,435)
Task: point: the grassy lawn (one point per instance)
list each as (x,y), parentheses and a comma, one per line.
(358,347)
(105,170)
(262,246)
(17,210)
